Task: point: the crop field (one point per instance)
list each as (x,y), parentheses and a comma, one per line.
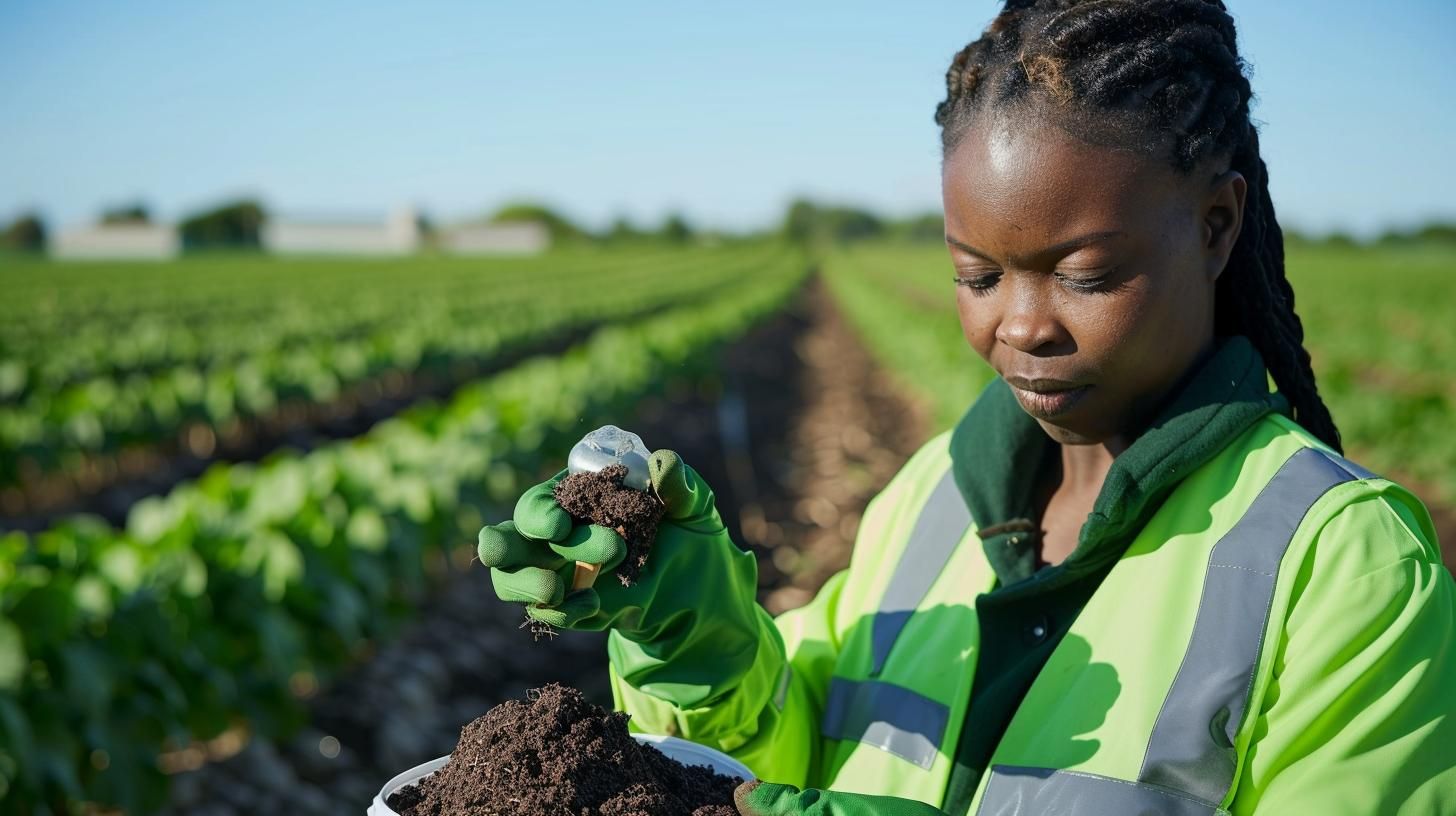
(213,603)
(103,366)
(242,493)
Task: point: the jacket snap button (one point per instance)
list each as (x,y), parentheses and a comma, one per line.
(1037,632)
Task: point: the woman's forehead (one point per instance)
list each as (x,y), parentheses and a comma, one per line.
(1030,176)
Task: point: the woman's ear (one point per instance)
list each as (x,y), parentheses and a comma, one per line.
(1223,216)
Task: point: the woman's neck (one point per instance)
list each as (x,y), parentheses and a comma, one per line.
(1084,467)
(1069,495)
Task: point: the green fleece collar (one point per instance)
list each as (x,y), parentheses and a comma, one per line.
(998,451)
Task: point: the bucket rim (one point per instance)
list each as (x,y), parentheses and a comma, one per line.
(682,750)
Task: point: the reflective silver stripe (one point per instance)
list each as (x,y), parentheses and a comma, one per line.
(1192,744)
(889,717)
(938,529)
(1016,791)
(782,694)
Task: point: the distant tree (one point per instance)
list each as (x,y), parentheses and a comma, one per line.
(846,224)
(1293,236)
(25,234)
(928,228)
(1434,232)
(559,227)
(676,230)
(232,226)
(801,223)
(127,214)
(1437,232)
(623,230)
(807,222)
(1340,238)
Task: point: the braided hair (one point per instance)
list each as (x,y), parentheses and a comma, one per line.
(1141,74)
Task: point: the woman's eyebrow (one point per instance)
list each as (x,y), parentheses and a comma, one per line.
(1089,238)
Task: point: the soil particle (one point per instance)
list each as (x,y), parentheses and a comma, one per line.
(556,753)
(601,498)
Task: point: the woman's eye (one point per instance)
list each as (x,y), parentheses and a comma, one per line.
(978,281)
(1087,281)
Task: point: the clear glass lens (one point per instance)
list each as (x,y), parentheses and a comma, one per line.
(610,445)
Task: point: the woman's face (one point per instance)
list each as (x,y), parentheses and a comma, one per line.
(1085,275)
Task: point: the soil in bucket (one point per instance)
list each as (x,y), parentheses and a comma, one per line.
(556,753)
(601,498)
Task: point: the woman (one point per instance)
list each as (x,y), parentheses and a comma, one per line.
(1133,579)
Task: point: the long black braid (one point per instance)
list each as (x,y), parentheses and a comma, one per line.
(1143,74)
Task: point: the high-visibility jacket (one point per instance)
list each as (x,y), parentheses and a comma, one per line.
(1276,640)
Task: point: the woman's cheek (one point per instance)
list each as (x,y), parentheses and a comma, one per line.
(1115,326)
(978,321)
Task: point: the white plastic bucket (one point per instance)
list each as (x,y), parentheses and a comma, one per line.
(688,753)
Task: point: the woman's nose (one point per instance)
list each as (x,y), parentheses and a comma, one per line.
(1029,324)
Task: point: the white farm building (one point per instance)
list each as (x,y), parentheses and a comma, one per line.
(117,242)
(398,235)
(511,238)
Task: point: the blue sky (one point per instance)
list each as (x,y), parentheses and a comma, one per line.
(724,111)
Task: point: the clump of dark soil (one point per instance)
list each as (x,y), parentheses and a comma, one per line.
(556,753)
(601,498)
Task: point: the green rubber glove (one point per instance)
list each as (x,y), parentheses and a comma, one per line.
(686,631)
(694,574)
(768,799)
(533,558)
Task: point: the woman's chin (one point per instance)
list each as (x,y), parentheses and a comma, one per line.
(1074,435)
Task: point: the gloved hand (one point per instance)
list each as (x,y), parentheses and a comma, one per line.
(695,579)
(768,799)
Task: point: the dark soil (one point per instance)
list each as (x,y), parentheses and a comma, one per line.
(822,430)
(556,753)
(601,498)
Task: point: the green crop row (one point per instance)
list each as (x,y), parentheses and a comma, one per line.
(429,319)
(215,598)
(902,302)
(65,323)
(1380,325)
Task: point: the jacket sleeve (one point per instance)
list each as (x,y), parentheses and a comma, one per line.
(1360,714)
(770,719)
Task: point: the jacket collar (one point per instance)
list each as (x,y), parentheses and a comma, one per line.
(998,452)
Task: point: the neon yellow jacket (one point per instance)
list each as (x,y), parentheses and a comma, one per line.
(1277,639)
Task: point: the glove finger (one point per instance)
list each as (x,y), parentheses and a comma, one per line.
(593,544)
(758,798)
(528,585)
(501,545)
(680,487)
(578,606)
(538,515)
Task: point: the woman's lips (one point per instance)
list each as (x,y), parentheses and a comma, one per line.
(1049,404)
